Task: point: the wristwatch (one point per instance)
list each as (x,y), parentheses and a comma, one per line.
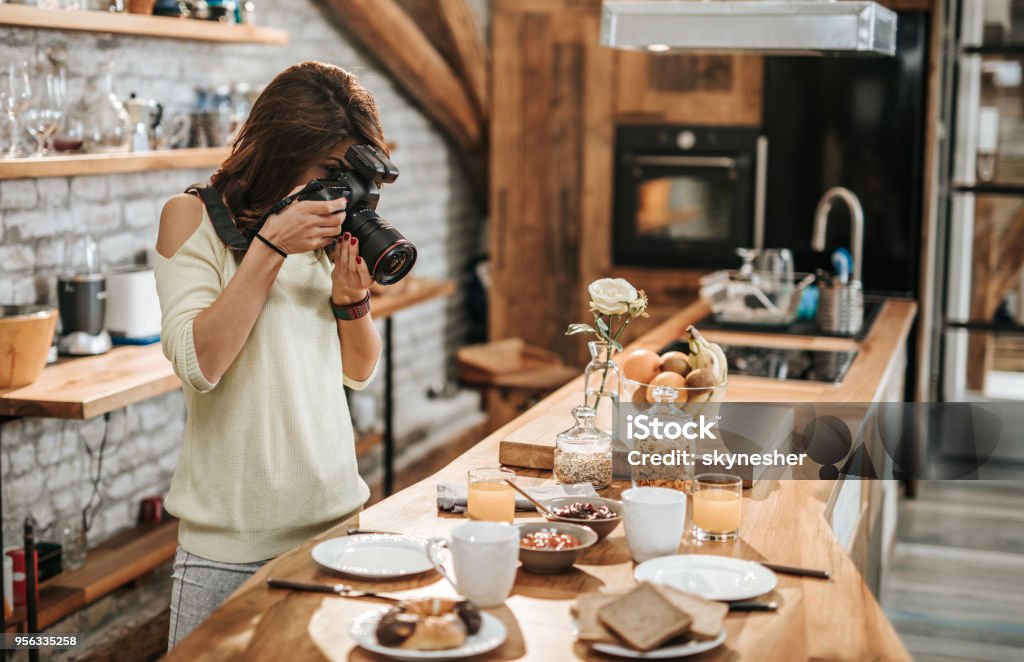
(352,311)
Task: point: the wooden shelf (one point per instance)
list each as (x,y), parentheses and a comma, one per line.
(84,388)
(108,566)
(139,25)
(105,164)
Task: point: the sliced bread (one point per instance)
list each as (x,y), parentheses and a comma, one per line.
(707,616)
(644,618)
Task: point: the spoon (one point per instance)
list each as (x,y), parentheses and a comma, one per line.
(541,508)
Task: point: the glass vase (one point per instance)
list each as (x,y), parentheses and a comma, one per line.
(602,385)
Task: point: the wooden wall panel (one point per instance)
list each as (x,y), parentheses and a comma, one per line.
(689,89)
(557,95)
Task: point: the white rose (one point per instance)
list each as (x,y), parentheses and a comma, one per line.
(611,296)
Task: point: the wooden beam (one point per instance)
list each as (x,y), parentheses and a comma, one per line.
(450,26)
(399,46)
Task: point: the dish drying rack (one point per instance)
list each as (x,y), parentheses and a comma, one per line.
(754,297)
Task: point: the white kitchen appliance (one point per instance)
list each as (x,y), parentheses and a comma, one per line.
(133,308)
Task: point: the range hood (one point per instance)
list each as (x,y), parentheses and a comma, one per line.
(771,27)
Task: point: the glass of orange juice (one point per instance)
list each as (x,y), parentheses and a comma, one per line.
(490,498)
(716,506)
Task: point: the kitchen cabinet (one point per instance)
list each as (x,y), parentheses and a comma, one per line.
(557,95)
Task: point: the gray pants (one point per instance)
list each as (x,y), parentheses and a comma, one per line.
(200,585)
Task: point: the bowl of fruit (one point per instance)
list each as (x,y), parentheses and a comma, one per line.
(699,378)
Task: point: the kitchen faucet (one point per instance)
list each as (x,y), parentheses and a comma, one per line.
(856,222)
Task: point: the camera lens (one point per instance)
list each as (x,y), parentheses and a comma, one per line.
(388,254)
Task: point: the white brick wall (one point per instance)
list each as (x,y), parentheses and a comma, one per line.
(45,466)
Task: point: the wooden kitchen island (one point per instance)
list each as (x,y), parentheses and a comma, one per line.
(786,522)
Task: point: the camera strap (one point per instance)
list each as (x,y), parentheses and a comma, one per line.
(221,218)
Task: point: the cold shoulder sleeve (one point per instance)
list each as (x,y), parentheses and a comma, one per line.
(187,283)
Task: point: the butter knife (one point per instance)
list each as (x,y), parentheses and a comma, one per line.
(752,605)
(799,572)
(343,590)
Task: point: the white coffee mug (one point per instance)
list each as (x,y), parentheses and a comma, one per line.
(654,518)
(485,556)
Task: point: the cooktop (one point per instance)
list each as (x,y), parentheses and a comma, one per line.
(773,363)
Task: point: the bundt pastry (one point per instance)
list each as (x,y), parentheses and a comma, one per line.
(428,624)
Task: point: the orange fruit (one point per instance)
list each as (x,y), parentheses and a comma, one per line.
(673,379)
(641,365)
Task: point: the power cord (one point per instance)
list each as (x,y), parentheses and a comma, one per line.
(95,502)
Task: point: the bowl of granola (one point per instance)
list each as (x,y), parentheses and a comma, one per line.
(600,514)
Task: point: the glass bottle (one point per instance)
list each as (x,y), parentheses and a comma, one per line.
(675,467)
(106,125)
(583,454)
(602,385)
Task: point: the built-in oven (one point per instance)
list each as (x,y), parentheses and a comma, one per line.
(687,196)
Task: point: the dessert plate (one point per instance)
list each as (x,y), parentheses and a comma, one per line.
(712,577)
(364,631)
(375,555)
(664,653)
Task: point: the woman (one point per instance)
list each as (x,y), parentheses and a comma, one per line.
(264,342)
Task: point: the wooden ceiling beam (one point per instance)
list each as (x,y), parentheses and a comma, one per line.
(399,46)
(450,26)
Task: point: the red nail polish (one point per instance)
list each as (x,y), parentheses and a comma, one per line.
(345,236)
(353,241)
(359,260)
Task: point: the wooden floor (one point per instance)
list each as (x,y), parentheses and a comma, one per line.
(955,585)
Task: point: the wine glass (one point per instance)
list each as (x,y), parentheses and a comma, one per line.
(15,96)
(45,111)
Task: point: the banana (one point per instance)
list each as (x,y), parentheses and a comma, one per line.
(706,355)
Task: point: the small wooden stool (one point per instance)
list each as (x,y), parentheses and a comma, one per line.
(511,376)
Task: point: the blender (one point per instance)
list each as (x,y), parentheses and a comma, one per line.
(81,297)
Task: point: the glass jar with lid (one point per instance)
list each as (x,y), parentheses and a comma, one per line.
(662,458)
(583,453)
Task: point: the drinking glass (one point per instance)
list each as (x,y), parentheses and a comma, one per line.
(15,97)
(716,506)
(489,497)
(45,111)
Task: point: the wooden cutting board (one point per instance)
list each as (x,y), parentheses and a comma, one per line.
(532,445)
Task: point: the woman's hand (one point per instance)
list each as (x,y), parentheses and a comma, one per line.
(350,278)
(305,225)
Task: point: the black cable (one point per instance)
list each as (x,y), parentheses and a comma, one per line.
(90,510)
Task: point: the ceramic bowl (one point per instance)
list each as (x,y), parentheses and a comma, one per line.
(602,527)
(548,561)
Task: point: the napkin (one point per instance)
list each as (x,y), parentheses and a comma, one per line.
(452,496)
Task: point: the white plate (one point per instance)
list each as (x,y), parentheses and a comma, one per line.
(665,653)
(364,631)
(712,577)
(375,555)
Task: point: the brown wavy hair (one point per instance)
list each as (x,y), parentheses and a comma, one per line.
(297,120)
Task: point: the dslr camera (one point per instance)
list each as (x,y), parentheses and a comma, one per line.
(389,256)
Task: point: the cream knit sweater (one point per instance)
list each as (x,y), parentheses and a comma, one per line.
(268,457)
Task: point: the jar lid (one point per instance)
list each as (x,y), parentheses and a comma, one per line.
(584,431)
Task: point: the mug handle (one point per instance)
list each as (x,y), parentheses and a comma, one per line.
(437,542)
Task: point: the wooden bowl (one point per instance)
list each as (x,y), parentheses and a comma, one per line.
(602,527)
(550,561)
(26,333)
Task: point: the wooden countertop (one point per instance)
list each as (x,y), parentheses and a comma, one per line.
(82,388)
(783,521)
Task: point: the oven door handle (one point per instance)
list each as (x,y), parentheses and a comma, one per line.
(725,162)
